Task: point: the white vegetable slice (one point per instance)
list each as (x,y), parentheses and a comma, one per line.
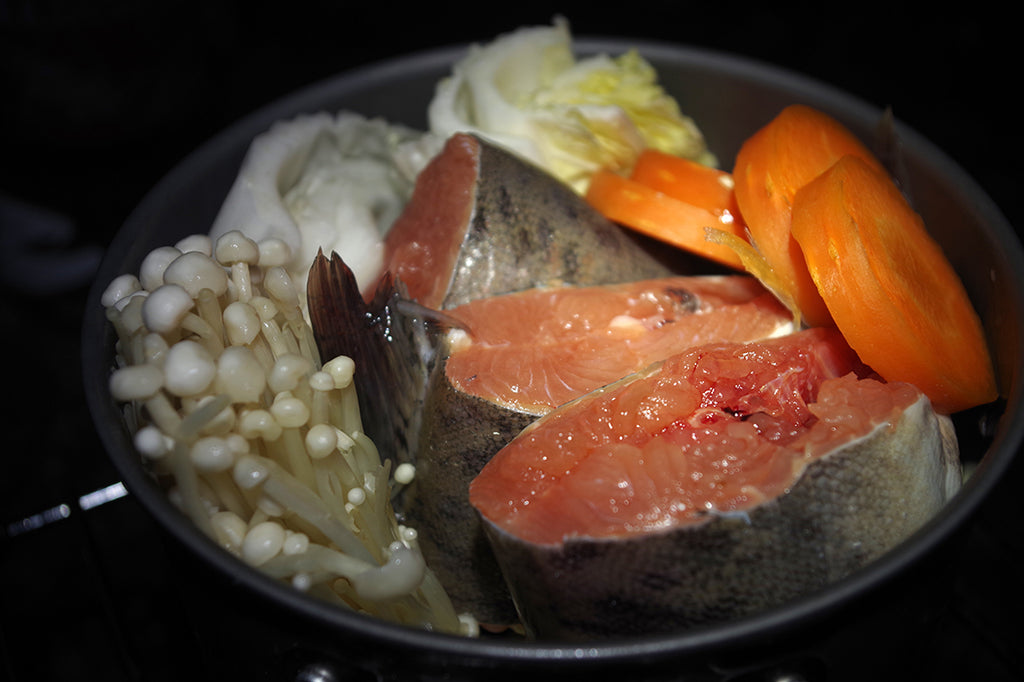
(526,91)
(324,182)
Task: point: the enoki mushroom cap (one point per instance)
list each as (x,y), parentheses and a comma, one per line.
(120,288)
(165,308)
(288,371)
(212,453)
(240,375)
(195,271)
(274,252)
(241,323)
(136,382)
(189,369)
(234,247)
(196,242)
(151,272)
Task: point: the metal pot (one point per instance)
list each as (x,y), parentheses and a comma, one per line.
(288,635)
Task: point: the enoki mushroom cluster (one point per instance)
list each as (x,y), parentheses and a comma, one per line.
(260,443)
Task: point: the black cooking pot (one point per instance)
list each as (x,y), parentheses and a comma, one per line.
(267,630)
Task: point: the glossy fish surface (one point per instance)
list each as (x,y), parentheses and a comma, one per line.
(728,479)
(535,350)
(513,358)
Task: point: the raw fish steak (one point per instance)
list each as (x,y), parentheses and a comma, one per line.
(513,358)
(725,480)
(482,221)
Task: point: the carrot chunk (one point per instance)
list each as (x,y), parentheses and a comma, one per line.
(780,158)
(687,180)
(888,286)
(655,213)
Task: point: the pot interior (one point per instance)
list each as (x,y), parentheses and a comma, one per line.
(729,98)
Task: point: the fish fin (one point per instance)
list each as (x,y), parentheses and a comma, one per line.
(391,350)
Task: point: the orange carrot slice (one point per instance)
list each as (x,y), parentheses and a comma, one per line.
(889,287)
(783,156)
(656,214)
(686,180)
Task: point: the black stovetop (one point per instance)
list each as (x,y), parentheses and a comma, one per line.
(107,98)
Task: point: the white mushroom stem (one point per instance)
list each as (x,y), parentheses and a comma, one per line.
(321,384)
(333,490)
(278,283)
(286,491)
(401,574)
(333,467)
(193,423)
(342,369)
(238,252)
(318,560)
(366,451)
(207,335)
(208,309)
(289,450)
(271,331)
(220,424)
(227,494)
(187,481)
(163,413)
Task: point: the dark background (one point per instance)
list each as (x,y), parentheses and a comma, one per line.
(99,100)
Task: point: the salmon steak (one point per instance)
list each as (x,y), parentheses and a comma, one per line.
(482,221)
(536,350)
(722,481)
(513,358)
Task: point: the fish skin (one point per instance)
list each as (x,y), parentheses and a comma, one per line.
(530,230)
(525,229)
(460,434)
(735,565)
